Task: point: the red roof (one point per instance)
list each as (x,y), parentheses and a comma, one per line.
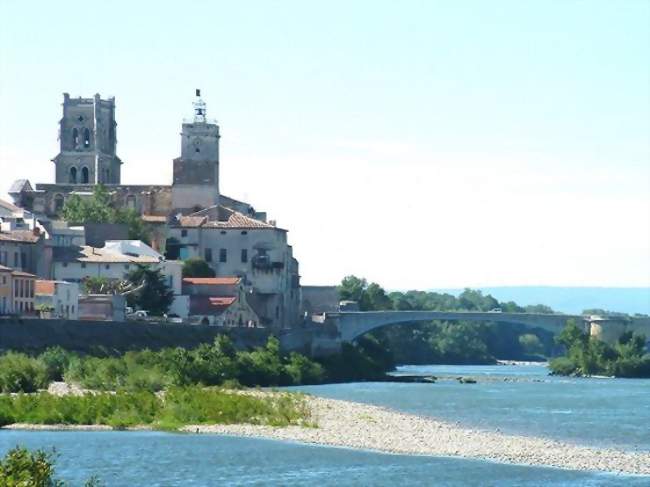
(210,305)
(212,281)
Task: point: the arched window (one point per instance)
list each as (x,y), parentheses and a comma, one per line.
(73,175)
(85,179)
(75,137)
(58,203)
(86,138)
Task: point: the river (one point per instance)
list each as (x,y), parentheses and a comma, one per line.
(515,399)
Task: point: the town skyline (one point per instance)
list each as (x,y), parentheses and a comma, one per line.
(424,184)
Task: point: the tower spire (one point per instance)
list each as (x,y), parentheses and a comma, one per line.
(199,108)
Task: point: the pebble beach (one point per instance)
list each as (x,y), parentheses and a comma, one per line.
(362,426)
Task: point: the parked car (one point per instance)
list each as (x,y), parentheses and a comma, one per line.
(139,315)
(495,310)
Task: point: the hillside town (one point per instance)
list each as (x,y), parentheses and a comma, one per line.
(46,262)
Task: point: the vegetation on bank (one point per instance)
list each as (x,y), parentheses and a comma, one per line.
(207,365)
(450,342)
(178,406)
(586,355)
(23,468)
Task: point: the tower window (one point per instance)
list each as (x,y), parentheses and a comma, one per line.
(85,178)
(75,137)
(223,255)
(86,138)
(73,175)
(244,255)
(208,255)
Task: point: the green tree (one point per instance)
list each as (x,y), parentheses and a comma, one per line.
(197,267)
(99,208)
(151,291)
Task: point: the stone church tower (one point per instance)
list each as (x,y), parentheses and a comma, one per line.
(196,171)
(87,142)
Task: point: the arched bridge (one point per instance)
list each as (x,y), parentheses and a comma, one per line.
(353,324)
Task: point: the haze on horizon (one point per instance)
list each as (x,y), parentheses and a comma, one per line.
(421,145)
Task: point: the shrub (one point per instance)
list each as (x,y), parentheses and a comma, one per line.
(562,366)
(20,373)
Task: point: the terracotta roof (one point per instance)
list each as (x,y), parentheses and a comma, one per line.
(154,218)
(210,305)
(227,218)
(8,206)
(26,236)
(212,281)
(91,254)
(44,287)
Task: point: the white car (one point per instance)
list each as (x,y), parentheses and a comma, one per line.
(138,315)
(495,310)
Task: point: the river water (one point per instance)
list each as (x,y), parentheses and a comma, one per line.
(518,399)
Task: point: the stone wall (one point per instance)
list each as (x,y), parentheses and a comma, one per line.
(86,336)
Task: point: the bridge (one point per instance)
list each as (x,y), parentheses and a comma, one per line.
(353,324)
(346,326)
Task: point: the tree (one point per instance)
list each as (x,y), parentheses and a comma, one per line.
(352,288)
(153,295)
(98,208)
(197,267)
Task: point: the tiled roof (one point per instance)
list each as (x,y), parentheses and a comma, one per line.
(8,206)
(19,236)
(91,254)
(18,185)
(44,287)
(210,305)
(5,269)
(227,218)
(212,281)
(154,218)
(22,274)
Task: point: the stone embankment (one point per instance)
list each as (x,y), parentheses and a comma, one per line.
(354,425)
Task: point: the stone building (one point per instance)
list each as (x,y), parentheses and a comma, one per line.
(87,140)
(188,218)
(16,291)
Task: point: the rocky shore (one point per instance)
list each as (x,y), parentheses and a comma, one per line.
(362,426)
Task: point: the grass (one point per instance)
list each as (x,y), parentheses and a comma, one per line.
(179,406)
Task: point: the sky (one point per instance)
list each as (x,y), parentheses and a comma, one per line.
(420,144)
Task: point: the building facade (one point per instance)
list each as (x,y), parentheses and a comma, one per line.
(60,297)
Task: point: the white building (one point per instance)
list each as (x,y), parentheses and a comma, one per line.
(114,262)
(60,296)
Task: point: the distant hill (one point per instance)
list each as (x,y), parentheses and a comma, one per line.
(572,299)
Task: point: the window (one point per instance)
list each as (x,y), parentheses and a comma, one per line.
(107,266)
(85,175)
(75,137)
(183,233)
(244,255)
(83,265)
(65,264)
(223,255)
(244,232)
(130,202)
(86,138)
(16,259)
(58,202)
(73,175)
(208,255)
(127,266)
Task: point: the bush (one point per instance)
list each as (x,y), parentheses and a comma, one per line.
(20,373)
(56,361)
(562,366)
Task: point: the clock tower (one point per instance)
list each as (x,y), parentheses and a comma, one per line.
(196,171)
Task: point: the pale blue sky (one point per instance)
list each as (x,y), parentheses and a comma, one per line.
(421,144)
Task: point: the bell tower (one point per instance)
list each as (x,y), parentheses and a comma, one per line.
(196,171)
(87,141)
